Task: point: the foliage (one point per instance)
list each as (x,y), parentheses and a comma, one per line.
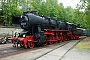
(45,8)
(8,11)
(51,8)
(87,16)
(86,7)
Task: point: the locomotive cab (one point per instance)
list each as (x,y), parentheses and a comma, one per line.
(40,37)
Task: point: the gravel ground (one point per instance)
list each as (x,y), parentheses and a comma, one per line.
(79,52)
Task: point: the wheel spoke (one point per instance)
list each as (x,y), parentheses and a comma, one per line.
(45,44)
(51,42)
(30,45)
(21,45)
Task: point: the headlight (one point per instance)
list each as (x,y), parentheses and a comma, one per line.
(24,35)
(21,16)
(14,35)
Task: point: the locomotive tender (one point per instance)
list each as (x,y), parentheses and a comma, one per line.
(40,30)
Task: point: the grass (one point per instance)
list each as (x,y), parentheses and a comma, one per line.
(84,44)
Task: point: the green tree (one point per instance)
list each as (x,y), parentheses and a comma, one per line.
(69,14)
(87,16)
(45,8)
(8,10)
(61,11)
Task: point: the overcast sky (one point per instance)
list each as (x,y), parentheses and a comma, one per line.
(71,3)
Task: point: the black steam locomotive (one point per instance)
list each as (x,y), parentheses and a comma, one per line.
(40,30)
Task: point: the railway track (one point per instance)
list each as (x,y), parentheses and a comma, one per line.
(5,52)
(9,51)
(2,46)
(58,54)
(32,54)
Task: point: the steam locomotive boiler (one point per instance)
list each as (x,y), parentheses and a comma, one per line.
(39,30)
